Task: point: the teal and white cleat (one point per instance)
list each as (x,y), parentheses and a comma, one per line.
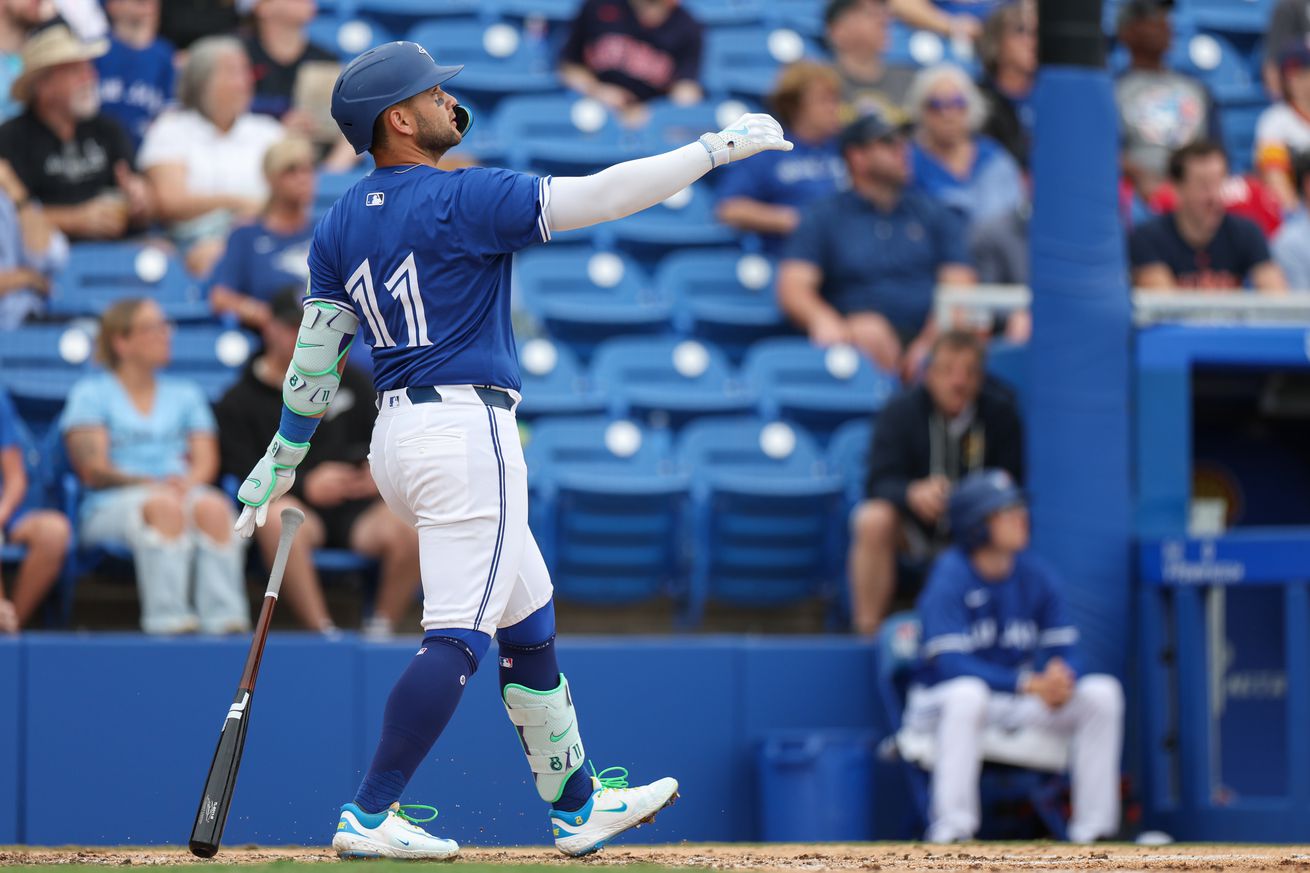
(612,809)
(393,833)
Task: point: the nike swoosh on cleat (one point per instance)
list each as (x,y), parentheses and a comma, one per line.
(622,807)
(402,842)
(555,738)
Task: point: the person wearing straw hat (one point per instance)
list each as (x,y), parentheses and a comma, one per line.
(71,158)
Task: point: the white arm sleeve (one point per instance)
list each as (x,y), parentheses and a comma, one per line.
(620,190)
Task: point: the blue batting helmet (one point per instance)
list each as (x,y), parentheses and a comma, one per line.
(974,500)
(383,77)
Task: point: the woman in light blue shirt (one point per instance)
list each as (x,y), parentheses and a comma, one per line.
(145,446)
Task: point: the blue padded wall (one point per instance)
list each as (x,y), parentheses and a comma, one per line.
(11,741)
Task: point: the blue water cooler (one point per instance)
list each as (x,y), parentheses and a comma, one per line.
(816,786)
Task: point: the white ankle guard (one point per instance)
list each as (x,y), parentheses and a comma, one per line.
(312,379)
(548,728)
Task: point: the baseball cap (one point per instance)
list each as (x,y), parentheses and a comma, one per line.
(288,305)
(1294,56)
(1136,10)
(870,127)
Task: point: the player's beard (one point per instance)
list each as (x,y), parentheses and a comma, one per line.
(434,139)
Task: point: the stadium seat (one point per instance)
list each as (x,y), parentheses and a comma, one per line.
(1237,121)
(329,187)
(744,61)
(820,388)
(582,297)
(671,125)
(723,296)
(99,274)
(667,381)
(38,366)
(211,356)
(347,36)
(562,134)
(718,13)
(848,456)
(765,513)
(554,383)
(1231,16)
(498,60)
(1215,60)
(554,11)
(401,15)
(1002,781)
(608,509)
(682,221)
(803,16)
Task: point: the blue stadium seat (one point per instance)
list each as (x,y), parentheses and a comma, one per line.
(744,61)
(582,297)
(723,296)
(554,11)
(671,125)
(1237,122)
(211,356)
(482,142)
(99,274)
(908,47)
(1232,16)
(608,509)
(683,221)
(401,15)
(498,60)
(848,456)
(668,381)
(347,36)
(563,134)
(803,16)
(38,366)
(765,513)
(328,188)
(720,13)
(1215,60)
(554,383)
(820,388)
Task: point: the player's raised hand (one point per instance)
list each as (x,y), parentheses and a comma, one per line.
(272,477)
(749,135)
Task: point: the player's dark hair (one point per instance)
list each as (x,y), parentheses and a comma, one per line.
(1202,148)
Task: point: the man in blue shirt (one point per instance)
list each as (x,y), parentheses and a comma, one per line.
(998,650)
(420,260)
(136,75)
(862,266)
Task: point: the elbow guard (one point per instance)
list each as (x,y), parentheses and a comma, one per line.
(313,377)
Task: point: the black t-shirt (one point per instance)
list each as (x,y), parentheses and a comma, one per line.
(1226,262)
(274,82)
(182,22)
(65,173)
(607,39)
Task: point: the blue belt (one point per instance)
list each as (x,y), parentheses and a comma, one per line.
(427,394)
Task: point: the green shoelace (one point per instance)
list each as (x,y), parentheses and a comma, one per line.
(618,781)
(413,820)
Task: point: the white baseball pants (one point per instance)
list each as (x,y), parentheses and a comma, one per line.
(956,711)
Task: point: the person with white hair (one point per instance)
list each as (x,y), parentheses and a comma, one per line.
(204,160)
(951,161)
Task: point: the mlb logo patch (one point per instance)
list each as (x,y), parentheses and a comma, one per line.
(507,663)
(374,198)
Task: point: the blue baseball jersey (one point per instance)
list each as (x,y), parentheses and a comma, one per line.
(994,630)
(423,258)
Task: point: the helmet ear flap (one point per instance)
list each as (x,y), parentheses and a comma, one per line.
(463,119)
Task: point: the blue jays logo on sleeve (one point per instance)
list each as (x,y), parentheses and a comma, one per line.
(374,198)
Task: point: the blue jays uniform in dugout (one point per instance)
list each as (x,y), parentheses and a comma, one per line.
(423,257)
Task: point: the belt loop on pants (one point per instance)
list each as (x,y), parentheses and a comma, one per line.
(427,394)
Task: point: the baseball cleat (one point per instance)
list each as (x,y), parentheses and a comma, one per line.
(612,809)
(392,833)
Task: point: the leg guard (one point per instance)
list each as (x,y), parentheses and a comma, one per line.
(548,729)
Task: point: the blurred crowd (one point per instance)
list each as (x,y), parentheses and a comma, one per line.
(202,127)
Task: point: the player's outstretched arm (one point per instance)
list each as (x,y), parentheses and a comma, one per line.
(307,391)
(581,201)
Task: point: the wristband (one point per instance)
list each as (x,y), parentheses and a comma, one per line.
(296,428)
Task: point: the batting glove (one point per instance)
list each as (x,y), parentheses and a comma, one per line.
(271,478)
(751,134)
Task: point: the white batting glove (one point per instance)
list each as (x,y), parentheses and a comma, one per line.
(749,135)
(272,477)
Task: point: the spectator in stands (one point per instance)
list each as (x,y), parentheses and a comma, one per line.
(1160,110)
(145,447)
(71,157)
(136,74)
(333,486)
(625,52)
(766,198)
(959,20)
(1291,247)
(1200,246)
(264,257)
(1284,128)
(1289,25)
(950,161)
(926,439)
(1008,50)
(31,251)
(18,18)
(294,77)
(862,264)
(999,651)
(858,31)
(45,533)
(203,161)
(185,21)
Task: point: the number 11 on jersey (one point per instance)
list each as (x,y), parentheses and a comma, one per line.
(403,285)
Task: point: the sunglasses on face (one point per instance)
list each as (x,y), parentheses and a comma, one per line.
(942,104)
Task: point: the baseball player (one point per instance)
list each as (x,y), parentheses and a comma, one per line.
(998,650)
(419,261)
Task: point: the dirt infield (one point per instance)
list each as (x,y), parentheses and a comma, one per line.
(875,856)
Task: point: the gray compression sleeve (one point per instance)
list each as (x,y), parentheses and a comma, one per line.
(620,190)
